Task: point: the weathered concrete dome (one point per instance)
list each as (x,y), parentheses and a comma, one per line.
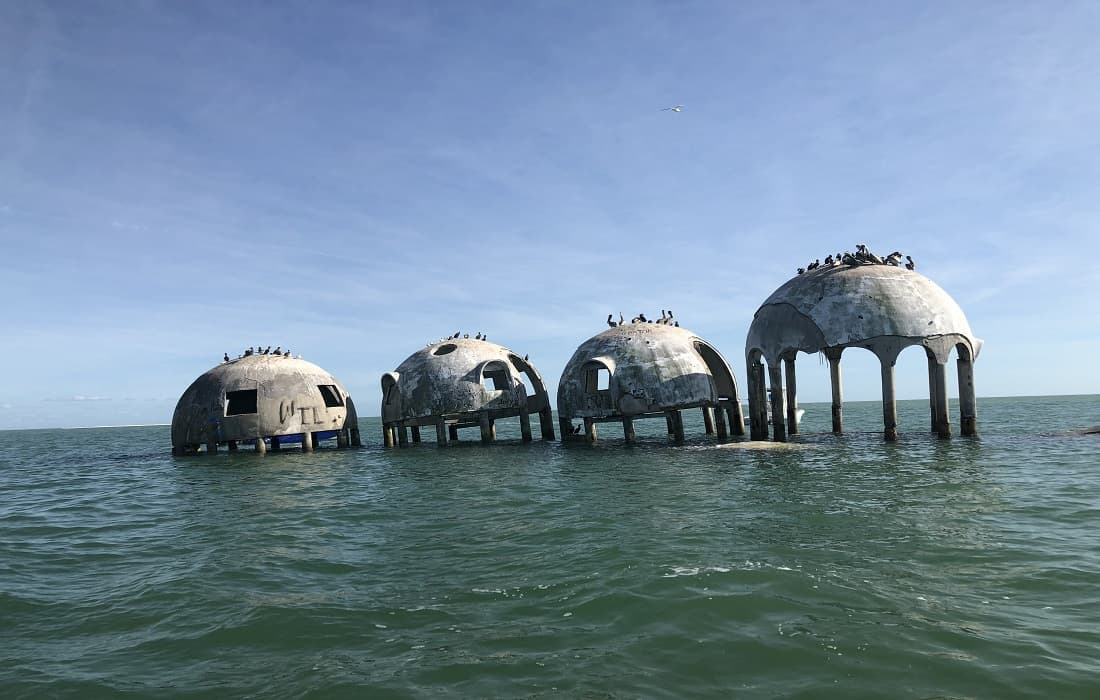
(637,369)
(456,383)
(863,306)
(262,396)
(882,308)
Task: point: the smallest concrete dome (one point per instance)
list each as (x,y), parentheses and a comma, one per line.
(263,398)
(640,370)
(460,383)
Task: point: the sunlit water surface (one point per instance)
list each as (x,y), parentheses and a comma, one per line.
(833,566)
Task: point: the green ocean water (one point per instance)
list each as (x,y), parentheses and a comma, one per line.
(836,566)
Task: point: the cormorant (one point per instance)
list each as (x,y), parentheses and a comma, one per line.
(577,429)
(455,335)
(642,318)
(225,357)
(286,354)
(828,260)
(248,351)
(669,319)
(478,336)
(620,318)
(910,265)
(801,270)
(525,358)
(609,321)
(278,350)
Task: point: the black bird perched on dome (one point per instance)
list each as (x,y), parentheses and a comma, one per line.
(609,321)
(456,335)
(621,321)
(286,354)
(465,335)
(801,270)
(278,350)
(225,357)
(478,336)
(642,318)
(892,259)
(910,265)
(248,351)
(828,260)
(525,358)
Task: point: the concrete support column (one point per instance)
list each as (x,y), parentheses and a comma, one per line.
(232,444)
(737,420)
(758,396)
(441,431)
(968,402)
(387,435)
(356,439)
(708,420)
(590,430)
(933,410)
(315,439)
(416,433)
(402,435)
(889,403)
(943,408)
(669,428)
(486,427)
(261,446)
(307,442)
(720,421)
(792,396)
(628,430)
(275,446)
(525,424)
(779,426)
(676,420)
(342,438)
(452,431)
(838,391)
(211,444)
(546,423)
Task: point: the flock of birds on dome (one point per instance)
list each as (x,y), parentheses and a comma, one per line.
(479,336)
(278,351)
(666,319)
(862,256)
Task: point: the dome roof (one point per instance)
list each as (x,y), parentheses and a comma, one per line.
(650,368)
(260,396)
(873,306)
(457,376)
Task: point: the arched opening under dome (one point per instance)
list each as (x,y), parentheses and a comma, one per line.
(727,406)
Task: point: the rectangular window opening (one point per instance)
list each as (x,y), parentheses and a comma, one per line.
(238,403)
(597,380)
(331,395)
(490,383)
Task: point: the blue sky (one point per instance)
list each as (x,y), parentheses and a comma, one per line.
(352,180)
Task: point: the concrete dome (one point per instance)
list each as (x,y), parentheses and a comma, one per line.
(260,396)
(643,368)
(454,381)
(872,306)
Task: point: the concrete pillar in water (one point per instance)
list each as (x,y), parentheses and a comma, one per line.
(566,427)
(758,412)
(416,433)
(628,429)
(452,431)
(779,425)
(315,439)
(307,442)
(838,391)
(441,431)
(590,430)
(737,420)
(402,435)
(261,446)
(546,422)
(387,435)
(933,410)
(275,447)
(232,444)
(792,396)
(720,421)
(968,403)
(708,420)
(943,408)
(525,424)
(670,429)
(342,438)
(677,420)
(889,403)
(486,427)
(211,444)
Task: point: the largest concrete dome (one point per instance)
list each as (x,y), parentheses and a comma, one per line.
(262,398)
(639,369)
(879,307)
(864,306)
